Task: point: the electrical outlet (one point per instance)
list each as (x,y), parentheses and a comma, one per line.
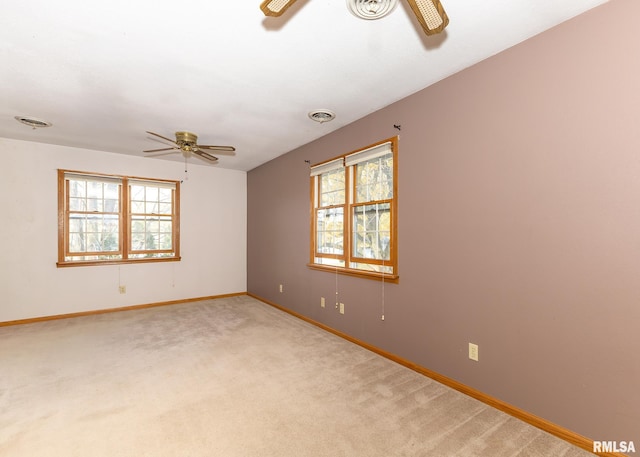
(280,288)
(322,302)
(122,289)
(341,308)
(473,351)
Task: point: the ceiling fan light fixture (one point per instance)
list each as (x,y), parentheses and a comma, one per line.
(371,9)
(32,121)
(430,14)
(322,115)
(275,7)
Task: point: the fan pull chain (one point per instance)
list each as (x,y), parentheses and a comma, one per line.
(337,296)
(383,273)
(186,176)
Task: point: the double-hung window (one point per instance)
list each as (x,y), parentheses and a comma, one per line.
(116,219)
(354,212)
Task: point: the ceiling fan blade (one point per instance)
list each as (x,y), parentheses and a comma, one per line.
(159,155)
(163,149)
(221,149)
(275,7)
(160,136)
(430,14)
(205,155)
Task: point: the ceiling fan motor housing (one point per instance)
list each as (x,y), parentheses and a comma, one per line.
(186,140)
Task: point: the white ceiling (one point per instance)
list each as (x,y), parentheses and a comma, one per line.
(104,72)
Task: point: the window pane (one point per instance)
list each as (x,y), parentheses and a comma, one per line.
(164,241)
(94,189)
(112,191)
(330,231)
(76,242)
(151,207)
(372,267)
(150,233)
(372,231)
(330,261)
(93,233)
(374,179)
(137,226)
(151,194)
(137,192)
(137,207)
(137,241)
(165,195)
(112,205)
(152,225)
(332,188)
(77,188)
(151,255)
(77,204)
(94,204)
(93,196)
(151,222)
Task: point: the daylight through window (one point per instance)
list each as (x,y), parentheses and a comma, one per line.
(116,219)
(354,201)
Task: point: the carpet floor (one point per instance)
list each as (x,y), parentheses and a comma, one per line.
(232,377)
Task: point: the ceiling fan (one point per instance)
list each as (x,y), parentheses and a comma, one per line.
(430,13)
(187,144)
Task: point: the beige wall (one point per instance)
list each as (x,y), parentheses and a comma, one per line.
(519,223)
(213,235)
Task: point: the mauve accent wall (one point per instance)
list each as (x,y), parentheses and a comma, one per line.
(519,227)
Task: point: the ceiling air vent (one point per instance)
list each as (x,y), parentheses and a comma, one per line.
(371,9)
(33,122)
(322,115)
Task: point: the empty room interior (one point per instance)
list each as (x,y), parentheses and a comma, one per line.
(367,237)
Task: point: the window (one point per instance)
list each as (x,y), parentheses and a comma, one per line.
(354,212)
(116,219)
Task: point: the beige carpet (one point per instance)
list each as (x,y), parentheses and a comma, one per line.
(231,377)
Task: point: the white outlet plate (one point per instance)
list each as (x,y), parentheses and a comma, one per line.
(280,288)
(341,308)
(122,289)
(322,302)
(473,351)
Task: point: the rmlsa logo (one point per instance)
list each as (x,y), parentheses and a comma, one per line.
(614,446)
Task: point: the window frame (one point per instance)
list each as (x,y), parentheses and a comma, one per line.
(125,250)
(348,256)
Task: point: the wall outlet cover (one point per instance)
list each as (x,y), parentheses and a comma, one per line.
(473,351)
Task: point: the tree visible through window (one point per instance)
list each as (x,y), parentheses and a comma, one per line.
(113,219)
(354,200)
